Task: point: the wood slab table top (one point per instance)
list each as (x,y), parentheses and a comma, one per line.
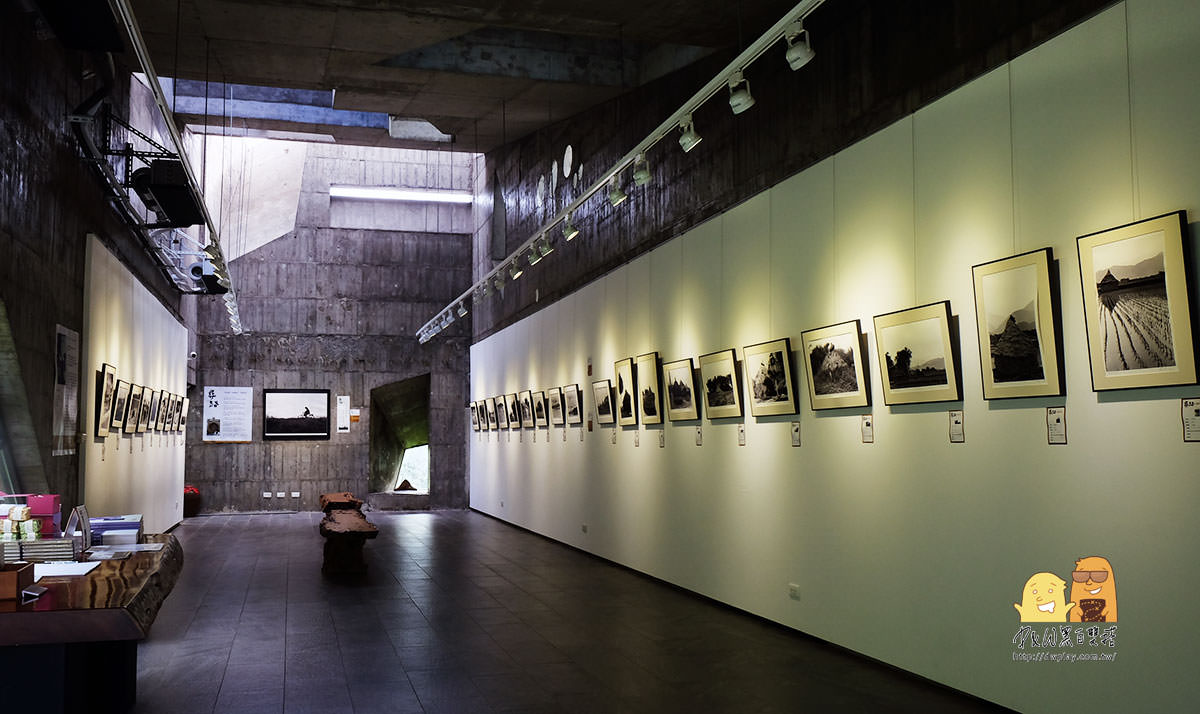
(118,600)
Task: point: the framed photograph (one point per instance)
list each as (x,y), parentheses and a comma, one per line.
(106,389)
(155,405)
(1018,317)
(144,418)
(133,413)
(650,394)
(176,409)
(602,391)
(835,366)
(295,414)
(183,412)
(626,404)
(554,399)
(514,415)
(1135,299)
(718,377)
(769,384)
(526,406)
(680,378)
(494,408)
(573,403)
(501,412)
(474,409)
(120,406)
(167,409)
(916,355)
(540,418)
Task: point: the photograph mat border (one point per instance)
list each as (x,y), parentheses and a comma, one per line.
(859,398)
(949,392)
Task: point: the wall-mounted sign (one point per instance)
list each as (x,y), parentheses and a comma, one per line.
(343,414)
(228,413)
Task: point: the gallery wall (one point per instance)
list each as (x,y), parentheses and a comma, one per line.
(910,549)
(126,327)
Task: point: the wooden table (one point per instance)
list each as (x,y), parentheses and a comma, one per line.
(74,649)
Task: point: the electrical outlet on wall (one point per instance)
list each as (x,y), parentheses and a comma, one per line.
(280,494)
(794,591)
(266,494)
(295,494)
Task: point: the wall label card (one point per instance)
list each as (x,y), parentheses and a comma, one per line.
(343,413)
(614,436)
(868,429)
(1191,419)
(1056,425)
(741,434)
(662,439)
(795,433)
(637,438)
(957,433)
(699,439)
(227,414)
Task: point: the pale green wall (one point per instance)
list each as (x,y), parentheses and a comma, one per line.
(910,550)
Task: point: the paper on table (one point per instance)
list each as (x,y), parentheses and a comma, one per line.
(54,570)
(131,547)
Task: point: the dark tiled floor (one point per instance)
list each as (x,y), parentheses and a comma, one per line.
(462,613)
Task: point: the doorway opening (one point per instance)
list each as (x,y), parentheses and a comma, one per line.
(399,445)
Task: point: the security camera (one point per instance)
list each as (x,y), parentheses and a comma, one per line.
(191,355)
(201,268)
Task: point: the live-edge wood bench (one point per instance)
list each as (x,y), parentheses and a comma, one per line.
(345,530)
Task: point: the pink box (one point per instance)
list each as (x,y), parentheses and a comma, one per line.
(44,504)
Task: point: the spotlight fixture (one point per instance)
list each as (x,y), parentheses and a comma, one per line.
(615,195)
(499,282)
(569,230)
(543,246)
(688,138)
(515,271)
(799,51)
(534,257)
(641,170)
(462,310)
(740,98)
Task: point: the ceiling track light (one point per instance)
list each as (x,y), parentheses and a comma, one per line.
(462,310)
(534,257)
(615,195)
(740,98)
(641,170)
(543,246)
(799,51)
(688,138)
(569,229)
(515,271)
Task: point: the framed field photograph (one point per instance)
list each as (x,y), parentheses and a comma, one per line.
(680,379)
(540,418)
(835,366)
(526,406)
(554,398)
(1135,300)
(769,383)
(133,413)
(573,403)
(602,391)
(295,414)
(1017,314)
(106,389)
(502,412)
(650,395)
(916,357)
(719,384)
(626,389)
(120,406)
(514,414)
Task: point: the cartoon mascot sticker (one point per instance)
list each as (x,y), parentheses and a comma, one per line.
(1094,587)
(1044,599)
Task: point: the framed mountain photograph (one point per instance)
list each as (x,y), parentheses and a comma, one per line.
(1018,317)
(769,385)
(835,366)
(682,403)
(602,392)
(649,398)
(1135,302)
(626,404)
(916,356)
(540,418)
(719,385)
(573,403)
(554,404)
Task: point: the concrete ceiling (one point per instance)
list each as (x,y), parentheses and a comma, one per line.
(483,71)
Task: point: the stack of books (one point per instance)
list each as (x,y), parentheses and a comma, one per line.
(116,530)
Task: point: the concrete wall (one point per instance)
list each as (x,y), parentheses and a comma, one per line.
(910,550)
(127,328)
(335,308)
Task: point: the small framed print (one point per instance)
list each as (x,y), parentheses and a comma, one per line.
(573,404)
(493,409)
(155,408)
(173,415)
(144,420)
(106,389)
(514,414)
(602,393)
(473,408)
(501,412)
(554,399)
(183,412)
(120,406)
(1018,317)
(835,366)
(289,414)
(525,402)
(650,391)
(769,385)
(133,414)
(1135,297)
(680,378)
(916,356)
(540,418)
(719,384)
(627,413)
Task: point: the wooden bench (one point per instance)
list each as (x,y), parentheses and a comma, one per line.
(345,530)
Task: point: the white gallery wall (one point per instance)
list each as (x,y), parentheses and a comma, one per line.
(125,326)
(911,550)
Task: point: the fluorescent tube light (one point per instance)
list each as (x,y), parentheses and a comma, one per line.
(389,193)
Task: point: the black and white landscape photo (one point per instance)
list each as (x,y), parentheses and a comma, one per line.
(915,354)
(514,416)
(571,404)
(602,390)
(526,402)
(626,389)
(649,399)
(718,375)
(501,412)
(1132,304)
(554,396)
(832,361)
(1010,300)
(296,414)
(680,390)
(769,378)
(540,417)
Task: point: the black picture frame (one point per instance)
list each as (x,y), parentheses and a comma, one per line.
(296,415)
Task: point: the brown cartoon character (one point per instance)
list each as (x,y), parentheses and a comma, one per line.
(1094,587)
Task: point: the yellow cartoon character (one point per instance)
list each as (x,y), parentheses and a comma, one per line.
(1044,599)
(1095,589)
